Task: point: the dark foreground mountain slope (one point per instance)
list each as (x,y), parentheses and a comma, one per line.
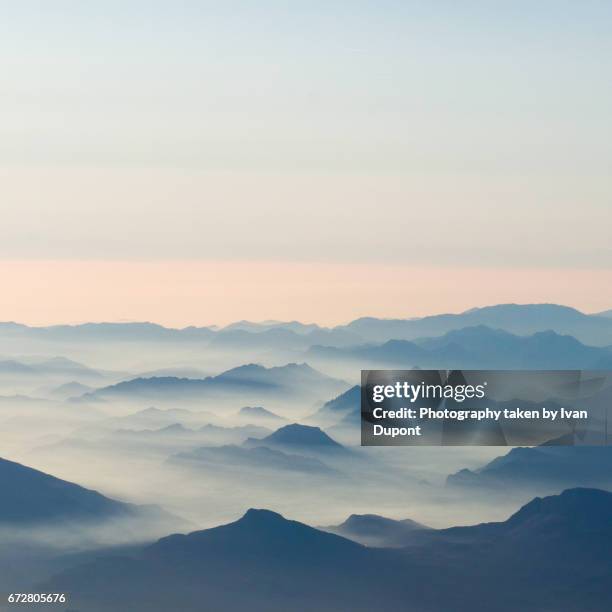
(32,500)
(552,555)
(30,496)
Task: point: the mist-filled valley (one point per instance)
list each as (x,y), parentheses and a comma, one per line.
(117,435)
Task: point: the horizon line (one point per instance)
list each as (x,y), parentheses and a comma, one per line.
(278,322)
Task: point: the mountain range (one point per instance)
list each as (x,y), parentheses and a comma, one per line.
(545,468)
(293,447)
(250,380)
(553,554)
(377,531)
(245,459)
(520,319)
(477,347)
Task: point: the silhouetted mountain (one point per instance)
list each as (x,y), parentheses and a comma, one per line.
(240,339)
(176,429)
(53,367)
(541,468)
(543,350)
(174,438)
(553,554)
(70,389)
(558,521)
(155,418)
(391,352)
(12,367)
(521,319)
(281,336)
(249,380)
(259,457)
(177,372)
(297,436)
(294,326)
(132,332)
(242,431)
(374,530)
(336,409)
(258,414)
(477,348)
(30,496)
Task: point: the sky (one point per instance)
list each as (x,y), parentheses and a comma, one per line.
(202,162)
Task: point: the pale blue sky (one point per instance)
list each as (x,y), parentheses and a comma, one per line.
(427,133)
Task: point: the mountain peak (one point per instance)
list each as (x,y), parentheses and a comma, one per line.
(545,307)
(579,508)
(301,435)
(261,516)
(258,412)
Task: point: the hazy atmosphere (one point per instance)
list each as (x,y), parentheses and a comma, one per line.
(215,215)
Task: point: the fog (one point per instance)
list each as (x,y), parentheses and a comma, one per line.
(192,454)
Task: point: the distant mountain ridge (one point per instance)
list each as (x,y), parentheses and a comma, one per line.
(519,319)
(247,458)
(378,531)
(477,347)
(540,468)
(259,414)
(289,379)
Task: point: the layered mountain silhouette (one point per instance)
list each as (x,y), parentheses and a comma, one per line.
(298,448)
(298,437)
(337,408)
(477,347)
(156,418)
(54,367)
(289,380)
(520,319)
(247,459)
(553,554)
(293,447)
(132,332)
(216,432)
(30,497)
(258,414)
(542,468)
(294,326)
(374,530)
(280,336)
(69,389)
